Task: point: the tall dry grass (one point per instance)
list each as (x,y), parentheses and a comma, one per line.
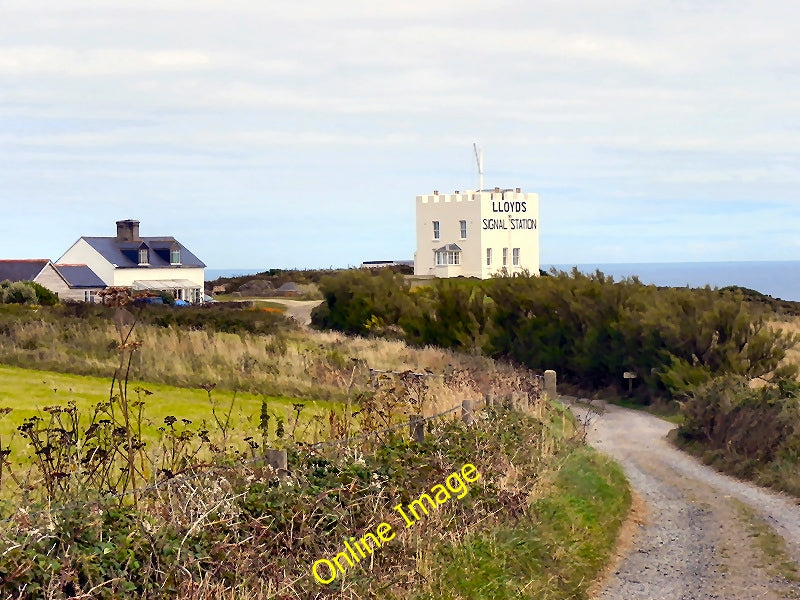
(296,364)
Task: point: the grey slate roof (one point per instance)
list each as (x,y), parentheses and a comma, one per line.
(80,276)
(21,270)
(126,254)
(449,248)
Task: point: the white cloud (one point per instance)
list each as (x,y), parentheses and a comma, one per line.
(65,62)
(597,104)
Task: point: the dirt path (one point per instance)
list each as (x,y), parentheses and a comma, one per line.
(299,310)
(703,534)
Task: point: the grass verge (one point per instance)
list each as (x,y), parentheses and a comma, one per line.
(772,546)
(556,551)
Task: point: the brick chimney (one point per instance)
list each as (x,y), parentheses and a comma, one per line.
(128,231)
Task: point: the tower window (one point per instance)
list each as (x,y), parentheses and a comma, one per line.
(505,257)
(515,257)
(488,257)
(436,230)
(463,227)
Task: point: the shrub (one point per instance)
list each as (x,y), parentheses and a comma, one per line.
(759,424)
(589,328)
(753,433)
(43,295)
(167,297)
(453,314)
(362,301)
(19,292)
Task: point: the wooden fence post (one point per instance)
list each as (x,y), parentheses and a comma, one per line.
(466,412)
(550,384)
(489,400)
(416,427)
(278,460)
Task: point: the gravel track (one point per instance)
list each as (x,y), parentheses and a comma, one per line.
(299,310)
(694,542)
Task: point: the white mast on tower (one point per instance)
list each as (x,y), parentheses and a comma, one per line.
(479,160)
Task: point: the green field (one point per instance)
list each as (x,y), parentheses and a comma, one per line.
(26,392)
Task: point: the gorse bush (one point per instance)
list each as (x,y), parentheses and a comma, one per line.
(362,301)
(589,328)
(453,314)
(592,329)
(753,433)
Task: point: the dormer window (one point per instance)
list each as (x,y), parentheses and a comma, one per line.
(144,256)
(175,256)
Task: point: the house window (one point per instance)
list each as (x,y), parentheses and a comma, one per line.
(515,257)
(505,257)
(448,257)
(488,257)
(175,256)
(436,230)
(463,227)
(143,256)
(86,295)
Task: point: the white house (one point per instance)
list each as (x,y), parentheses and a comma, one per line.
(141,263)
(477,233)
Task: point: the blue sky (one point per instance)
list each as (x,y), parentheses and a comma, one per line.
(277,134)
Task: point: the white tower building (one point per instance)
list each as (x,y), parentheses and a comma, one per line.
(477,233)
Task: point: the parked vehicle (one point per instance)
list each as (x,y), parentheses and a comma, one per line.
(148,300)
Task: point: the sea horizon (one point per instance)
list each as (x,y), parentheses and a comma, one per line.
(776,278)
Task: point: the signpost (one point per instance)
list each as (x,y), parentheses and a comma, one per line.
(630,376)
